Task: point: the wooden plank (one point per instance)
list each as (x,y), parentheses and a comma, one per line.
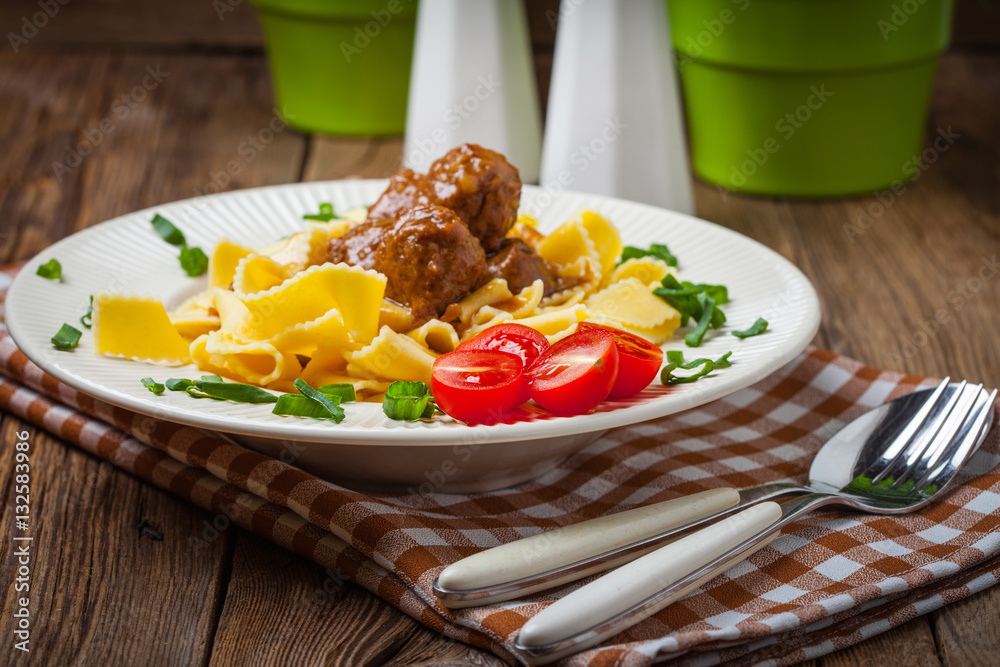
(963,638)
(104,137)
(100,587)
(911,644)
(307,615)
(332,158)
(180,23)
(427,648)
(976,25)
(104,591)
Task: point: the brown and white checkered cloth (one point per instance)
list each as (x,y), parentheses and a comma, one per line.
(830,580)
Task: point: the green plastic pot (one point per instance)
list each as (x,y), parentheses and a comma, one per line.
(808,98)
(341,66)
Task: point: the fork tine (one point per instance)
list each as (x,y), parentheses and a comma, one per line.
(937,409)
(944,437)
(899,443)
(968,441)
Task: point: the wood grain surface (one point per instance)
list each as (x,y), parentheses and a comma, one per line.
(125,574)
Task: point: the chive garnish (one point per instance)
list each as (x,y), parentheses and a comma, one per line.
(51,270)
(167,231)
(232,391)
(657,250)
(408,401)
(692,301)
(345,392)
(694,338)
(294,405)
(153,385)
(723,361)
(211,378)
(66,338)
(193,260)
(87,318)
(178,384)
(675,360)
(758,327)
(326,213)
(330,404)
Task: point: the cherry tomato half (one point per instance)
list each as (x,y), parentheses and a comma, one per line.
(518,339)
(477,385)
(576,373)
(638,360)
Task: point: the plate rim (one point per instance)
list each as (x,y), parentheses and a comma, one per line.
(414,433)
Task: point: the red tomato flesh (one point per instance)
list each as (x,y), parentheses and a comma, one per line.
(576,373)
(477,386)
(639,360)
(525,342)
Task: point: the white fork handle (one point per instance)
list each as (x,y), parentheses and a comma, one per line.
(562,546)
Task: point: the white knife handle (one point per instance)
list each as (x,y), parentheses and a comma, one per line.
(622,598)
(569,544)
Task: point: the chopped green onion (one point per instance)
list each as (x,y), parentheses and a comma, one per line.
(233,391)
(325,214)
(193,261)
(657,250)
(758,327)
(691,301)
(294,405)
(152,385)
(197,393)
(52,270)
(179,384)
(719,293)
(345,392)
(667,374)
(723,361)
(87,318)
(211,378)
(336,413)
(694,338)
(167,231)
(407,401)
(66,338)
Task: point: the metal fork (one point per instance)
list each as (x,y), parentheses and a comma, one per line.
(923,457)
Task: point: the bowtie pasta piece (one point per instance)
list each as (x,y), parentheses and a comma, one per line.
(257,273)
(629,303)
(391,356)
(354,292)
(256,363)
(136,327)
(647,270)
(222,263)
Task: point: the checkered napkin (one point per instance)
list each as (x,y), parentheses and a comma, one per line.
(830,580)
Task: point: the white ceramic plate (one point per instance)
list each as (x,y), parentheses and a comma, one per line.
(126,255)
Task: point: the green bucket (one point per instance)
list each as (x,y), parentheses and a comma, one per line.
(341,66)
(808,98)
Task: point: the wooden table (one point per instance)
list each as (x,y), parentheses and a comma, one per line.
(115,578)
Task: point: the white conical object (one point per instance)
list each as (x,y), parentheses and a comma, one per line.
(473,81)
(614,119)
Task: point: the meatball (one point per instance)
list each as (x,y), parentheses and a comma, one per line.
(359,244)
(427,254)
(519,264)
(478,184)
